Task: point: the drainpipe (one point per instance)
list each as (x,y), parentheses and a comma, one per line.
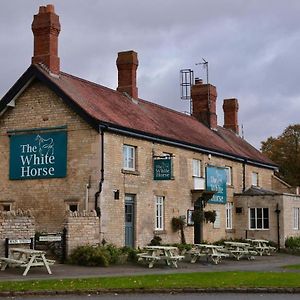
(244,175)
(277,211)
(97,194)
(87,187)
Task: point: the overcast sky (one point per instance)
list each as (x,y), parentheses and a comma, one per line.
(253,50)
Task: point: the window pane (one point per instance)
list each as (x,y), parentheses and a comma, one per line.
(255,179)
(196,168)
(128,157)
(296,218)
(159,212)
(266,218)
(259,218)
(252,218)
(229,175)
(229,208)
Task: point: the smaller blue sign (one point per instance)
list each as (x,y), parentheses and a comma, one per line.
(216,179)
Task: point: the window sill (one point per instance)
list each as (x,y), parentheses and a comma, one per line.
(230,230)
(158,232)
(259,229)
(130,172)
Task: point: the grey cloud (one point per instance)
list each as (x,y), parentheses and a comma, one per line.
(252,48)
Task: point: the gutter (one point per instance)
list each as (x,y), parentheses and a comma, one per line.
(153,138)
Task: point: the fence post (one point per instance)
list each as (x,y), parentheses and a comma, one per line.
(6,247)
(64,245)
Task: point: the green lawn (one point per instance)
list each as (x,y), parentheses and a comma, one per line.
(190,280)
(292,267)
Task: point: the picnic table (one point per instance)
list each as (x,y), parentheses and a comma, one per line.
(26,258)
(261,246)
(239,249)
(213,252)
(154,254)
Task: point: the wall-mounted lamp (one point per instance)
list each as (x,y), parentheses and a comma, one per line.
(116,194)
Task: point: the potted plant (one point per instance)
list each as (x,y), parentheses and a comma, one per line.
(178,224)
(210,216)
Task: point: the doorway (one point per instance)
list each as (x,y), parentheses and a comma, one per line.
(129,221)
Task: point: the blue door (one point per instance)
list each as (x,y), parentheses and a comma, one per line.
(129,220)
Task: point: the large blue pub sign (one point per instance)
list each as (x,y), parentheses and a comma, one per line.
(216,179)
(39,155)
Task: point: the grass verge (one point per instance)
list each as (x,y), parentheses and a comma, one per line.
(292,267)
(172,281)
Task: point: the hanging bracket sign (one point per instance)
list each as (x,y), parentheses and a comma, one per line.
(163,169)
(38,156)
(216,181)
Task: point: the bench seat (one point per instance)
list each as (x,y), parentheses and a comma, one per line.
(5,261)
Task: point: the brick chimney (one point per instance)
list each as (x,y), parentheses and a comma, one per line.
(127,63)
(46,28)
(230,108)
(204,98)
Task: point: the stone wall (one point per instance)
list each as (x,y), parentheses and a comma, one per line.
(285,203)
(82,229)
(15,225)
(177,192)
(48,199)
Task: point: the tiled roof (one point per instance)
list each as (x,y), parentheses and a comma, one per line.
(257,191)
(107,106)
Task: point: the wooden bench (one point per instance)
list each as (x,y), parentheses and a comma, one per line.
(195,254)
(152,259)
(10,261)
(217,257)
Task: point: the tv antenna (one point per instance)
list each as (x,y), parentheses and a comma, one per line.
(204,63)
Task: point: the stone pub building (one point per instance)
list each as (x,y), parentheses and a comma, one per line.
(68,144)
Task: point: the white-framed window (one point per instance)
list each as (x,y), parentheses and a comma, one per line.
(197,168)
(259,218)
(129,157)
(296,211)
(228,175)
(229,209)
(254,178)
(217,223)
(159,213)
(199,181)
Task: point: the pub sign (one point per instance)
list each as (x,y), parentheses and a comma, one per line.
(39,155)
(163,169)
(216,179)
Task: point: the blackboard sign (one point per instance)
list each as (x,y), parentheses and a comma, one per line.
(163,169)
(39,155)
(216,179)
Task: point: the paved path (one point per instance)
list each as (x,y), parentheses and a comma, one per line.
(261,263)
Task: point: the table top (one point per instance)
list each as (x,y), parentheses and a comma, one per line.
(27,251)
(238,244)
(259,241)
(208,246)
(160,248)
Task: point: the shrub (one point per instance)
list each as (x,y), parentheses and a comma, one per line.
(114,253)
(90,256)
(178,225)
(210,216)
(156,241)
(293,243)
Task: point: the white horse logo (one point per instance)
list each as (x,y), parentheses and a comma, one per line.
(46,146)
